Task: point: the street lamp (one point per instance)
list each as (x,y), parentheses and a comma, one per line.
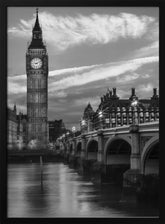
(63,137)
(83,124)
(101,117)
(67,135)
(100,114)
(73,130)
(134,104)
(104,117)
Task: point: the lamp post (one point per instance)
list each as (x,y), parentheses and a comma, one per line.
(134,105)
(67,136)
(83,124)
(134,127)
(101,117)
(73,130)
(67,133)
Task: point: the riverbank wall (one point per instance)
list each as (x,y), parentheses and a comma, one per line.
(142,187)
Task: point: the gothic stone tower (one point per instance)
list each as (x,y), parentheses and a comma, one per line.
(37,87)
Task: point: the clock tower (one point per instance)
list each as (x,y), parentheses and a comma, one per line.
(37,87)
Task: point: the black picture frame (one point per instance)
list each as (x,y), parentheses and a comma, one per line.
(3,100)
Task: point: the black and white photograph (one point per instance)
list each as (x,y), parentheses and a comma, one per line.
(82,112)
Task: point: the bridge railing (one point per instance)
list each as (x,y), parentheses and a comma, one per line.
(143,127)
(153,124)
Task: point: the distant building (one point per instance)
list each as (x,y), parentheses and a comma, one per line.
(113,111)
(56,129)
(17,129)
(22,129)
(12,127)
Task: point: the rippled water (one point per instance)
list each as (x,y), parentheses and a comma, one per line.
(63,193)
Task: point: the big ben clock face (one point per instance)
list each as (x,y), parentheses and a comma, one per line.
(36,63)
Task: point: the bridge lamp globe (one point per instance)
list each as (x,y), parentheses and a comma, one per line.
(134,103)
(83,122)
(100,114)
(73,129)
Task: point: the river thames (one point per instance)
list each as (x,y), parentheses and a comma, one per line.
(64,193)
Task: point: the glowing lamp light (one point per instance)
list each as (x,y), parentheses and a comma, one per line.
(83,122)
(100,114)
(134,118)
(134,103)
(73,129)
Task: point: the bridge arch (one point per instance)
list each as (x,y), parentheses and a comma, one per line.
(92,149)
(114,139)
(119,148)
(78,149)
(150,157)
(117,158)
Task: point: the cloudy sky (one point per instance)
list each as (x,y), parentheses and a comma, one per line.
(90,50)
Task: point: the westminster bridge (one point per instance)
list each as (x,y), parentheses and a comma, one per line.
(127,152)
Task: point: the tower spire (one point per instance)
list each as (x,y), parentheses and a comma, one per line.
(37,25)
(37,14)
(37,41)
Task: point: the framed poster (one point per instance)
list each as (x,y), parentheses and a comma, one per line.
(80,138)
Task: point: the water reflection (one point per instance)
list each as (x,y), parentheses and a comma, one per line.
(63,193)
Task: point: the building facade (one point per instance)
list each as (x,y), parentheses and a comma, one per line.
(114,112)
(12,127)
(56,129)
(22,130)
(37,87)
(17,129)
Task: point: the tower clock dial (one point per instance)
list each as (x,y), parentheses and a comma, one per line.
(36,63)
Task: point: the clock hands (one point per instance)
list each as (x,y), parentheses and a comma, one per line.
(36,63)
